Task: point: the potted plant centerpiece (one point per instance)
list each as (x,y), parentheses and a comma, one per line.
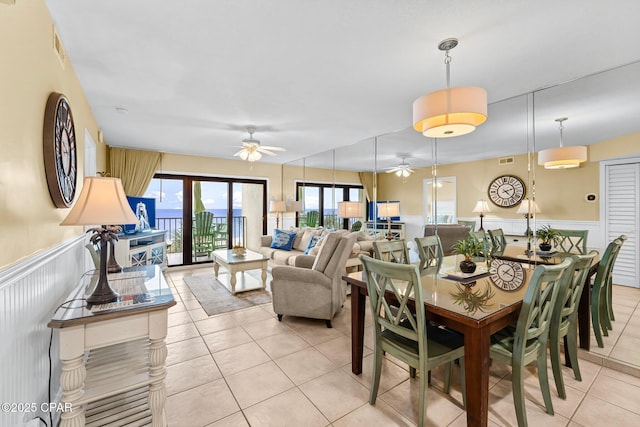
(547,237)
(469,248)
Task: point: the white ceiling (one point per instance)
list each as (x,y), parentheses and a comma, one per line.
(318,75)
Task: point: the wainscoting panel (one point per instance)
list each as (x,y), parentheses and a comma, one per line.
(30,291)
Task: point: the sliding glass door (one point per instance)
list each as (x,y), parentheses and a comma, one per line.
(203,214)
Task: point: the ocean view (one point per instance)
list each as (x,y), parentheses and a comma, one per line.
(177,213)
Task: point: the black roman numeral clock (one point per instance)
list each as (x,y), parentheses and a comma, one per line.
(506,191)
(59,151)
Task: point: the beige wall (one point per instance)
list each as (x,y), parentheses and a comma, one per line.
(559,193)
(30,71)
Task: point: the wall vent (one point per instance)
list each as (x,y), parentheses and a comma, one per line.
(57,46)
(506,160)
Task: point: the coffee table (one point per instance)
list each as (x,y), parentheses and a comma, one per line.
(250,261)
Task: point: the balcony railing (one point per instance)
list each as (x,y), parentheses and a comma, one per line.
(174,229)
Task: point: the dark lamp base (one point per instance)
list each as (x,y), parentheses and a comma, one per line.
(102,295)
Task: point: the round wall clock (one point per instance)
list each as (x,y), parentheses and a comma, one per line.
(506,191)
(507,275)
(59,150)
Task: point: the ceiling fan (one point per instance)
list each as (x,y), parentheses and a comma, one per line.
(403,169)
(252,150)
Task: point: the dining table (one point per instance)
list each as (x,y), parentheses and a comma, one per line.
(471,304)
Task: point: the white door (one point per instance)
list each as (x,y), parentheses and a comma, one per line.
(622,216)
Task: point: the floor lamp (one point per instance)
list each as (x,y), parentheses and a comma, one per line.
(481,207)
(388,210)
(102,201)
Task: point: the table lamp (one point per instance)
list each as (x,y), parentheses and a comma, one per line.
(388,209)
(350,210)
(101,201)
(277,206)
(481,207)
(528,207)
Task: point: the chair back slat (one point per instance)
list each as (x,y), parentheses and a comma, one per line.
(573,241)
(390,302)
(537,305)
(481,237)
(498,241)
(430,253)
(392,251)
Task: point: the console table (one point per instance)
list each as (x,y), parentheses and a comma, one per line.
(113,355)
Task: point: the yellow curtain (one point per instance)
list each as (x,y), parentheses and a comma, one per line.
(134,167)
(366,179)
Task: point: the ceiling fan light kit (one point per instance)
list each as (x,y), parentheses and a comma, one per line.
(402,170)
(562,157)
(252,150)
(453,111)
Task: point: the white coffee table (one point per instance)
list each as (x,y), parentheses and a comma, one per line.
(250,261)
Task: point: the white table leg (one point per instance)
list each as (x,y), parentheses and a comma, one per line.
(157,389)
(216,267)
(72,382)
(232,273)
(264,275)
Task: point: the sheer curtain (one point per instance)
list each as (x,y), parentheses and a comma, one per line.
(134,167)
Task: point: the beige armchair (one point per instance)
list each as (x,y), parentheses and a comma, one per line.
(315,290)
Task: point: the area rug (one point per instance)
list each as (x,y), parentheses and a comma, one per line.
(215,298)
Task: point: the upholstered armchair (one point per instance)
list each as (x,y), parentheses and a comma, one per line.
(313,287)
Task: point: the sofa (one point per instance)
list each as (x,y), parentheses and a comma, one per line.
(362,245)
(448,233)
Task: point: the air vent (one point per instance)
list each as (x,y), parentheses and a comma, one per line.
(506,160)
(57,46)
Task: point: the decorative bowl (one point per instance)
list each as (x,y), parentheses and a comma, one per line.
(239,251)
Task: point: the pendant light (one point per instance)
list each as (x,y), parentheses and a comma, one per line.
(453,111)
(562,157)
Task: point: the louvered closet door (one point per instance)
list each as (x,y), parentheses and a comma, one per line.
(622,216)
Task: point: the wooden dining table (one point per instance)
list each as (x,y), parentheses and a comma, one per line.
(445,304)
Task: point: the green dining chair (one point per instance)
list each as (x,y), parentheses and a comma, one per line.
(609,294)
(498,241)
(600,291)
(430,253)
(565,314)
(406,334)
(470,224)
(391,251)
(572,241)
(527,341)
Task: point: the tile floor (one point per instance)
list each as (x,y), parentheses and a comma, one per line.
(245,368)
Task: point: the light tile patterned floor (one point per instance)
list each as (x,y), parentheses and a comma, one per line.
(245,368)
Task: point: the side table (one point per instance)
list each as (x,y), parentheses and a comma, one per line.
(123,344)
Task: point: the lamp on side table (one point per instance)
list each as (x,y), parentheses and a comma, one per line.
(388,210)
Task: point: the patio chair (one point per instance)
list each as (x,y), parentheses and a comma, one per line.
(203,234)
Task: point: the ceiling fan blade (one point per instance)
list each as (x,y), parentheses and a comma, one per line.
(392,170)
(249,144)
(239,152)
(272,148)
(267,152)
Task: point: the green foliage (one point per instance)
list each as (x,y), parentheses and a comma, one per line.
(469,247)
(548,235)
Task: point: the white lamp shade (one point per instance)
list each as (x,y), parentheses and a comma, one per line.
(350,209)
(277,206)
(450,112)
(563,157)
(481,207)
(295,206)
(387,210)
(528,206)
(101,202)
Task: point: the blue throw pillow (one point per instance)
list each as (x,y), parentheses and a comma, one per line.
(313,242)
(283,240)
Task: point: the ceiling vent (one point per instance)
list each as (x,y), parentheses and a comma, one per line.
(506,160)
(57,46)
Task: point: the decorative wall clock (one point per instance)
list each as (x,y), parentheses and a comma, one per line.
(507,275)
(59,151)
(506,191)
